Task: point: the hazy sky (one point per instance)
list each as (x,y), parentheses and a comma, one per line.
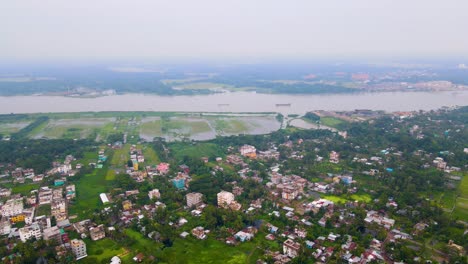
(232,28)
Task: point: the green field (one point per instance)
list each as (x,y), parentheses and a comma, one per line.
(25,189)
(332,122)
(9,128)
(88,188)
(196,150)
(103,249)
(461,206)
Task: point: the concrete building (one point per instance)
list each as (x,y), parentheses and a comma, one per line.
(334,157)
(154,194)
(193,199)
(30,231)
(248,151)
(225,199)
(291,248)
(97,232)
(78,247)
(12,207)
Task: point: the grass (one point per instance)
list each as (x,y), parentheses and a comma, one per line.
(153,128)
(206,251)
(25,189)
(13,127)
(461,205)
(335,199)
(230,126)
(332,122)
(151,158)
(364,197)
(196,150)
(88,188)
(103,249)
(120,156)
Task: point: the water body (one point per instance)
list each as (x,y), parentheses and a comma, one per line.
(236,102)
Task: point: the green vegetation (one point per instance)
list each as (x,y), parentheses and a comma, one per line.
(332,122)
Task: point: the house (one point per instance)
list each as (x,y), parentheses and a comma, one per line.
(163,168)
(78,247)
(115,260)
(30,231)
(194,199)
(225,199)
(181,181)
(291,248)
(127,205)
(154,194)
(97,233)
(139,257)
(184,234)
(248,151)
(5,192)
(243,236)
(199,232)
(334,157)
(12,207)
(104,198)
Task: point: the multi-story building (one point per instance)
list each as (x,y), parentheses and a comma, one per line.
(334,157)
(30,231)
(291,248)
(248,151)
(193,199)
(59,209)
(12,207)
(78,247)
(97,232)
(225,199)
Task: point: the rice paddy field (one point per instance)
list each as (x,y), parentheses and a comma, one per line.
(144,125)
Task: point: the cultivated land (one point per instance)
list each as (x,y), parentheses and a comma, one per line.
(144,125)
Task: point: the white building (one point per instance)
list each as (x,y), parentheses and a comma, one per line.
(104,198)
(154,194)
(30,231)
(193,199)
(78,247)
(12,207)
(225,198)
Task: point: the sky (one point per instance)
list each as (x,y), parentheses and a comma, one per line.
(90,29)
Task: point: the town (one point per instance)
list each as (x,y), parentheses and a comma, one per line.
(388,189)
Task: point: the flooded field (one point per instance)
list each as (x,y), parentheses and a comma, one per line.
(206,127)
(72,128)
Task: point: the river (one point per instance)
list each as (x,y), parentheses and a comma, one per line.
(236,102)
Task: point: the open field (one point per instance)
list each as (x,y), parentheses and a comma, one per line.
(71,128)
(103,249)
(461,204)
(9,128)
(144,125)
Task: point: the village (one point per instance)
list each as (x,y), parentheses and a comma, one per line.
(268,196)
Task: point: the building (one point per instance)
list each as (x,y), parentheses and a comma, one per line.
(194,199)
(154,194)
(78,247)
(248,151)
(199,232)
(5,192)
(291,248)
(334,157)
(97,232)
(127,205)
(30,231)
(5,226)
(52,233)
(59,209)
(12,207)
(104,198)
(225,199)
(181,181)
(163,168)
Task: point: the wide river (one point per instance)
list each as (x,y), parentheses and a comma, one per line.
(236,102)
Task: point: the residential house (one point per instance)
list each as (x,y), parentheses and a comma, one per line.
(194,199)
(291,248)
(78,247)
